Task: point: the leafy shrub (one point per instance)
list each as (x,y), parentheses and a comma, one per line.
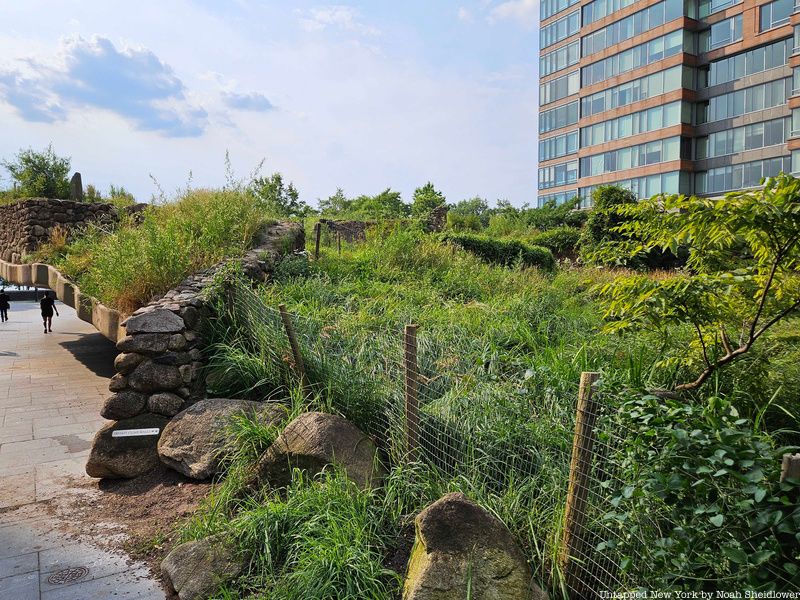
(40,174)
(561,241)
(503,252)
(292,266)
(711,484)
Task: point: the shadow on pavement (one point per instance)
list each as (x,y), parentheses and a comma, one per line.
(93,351)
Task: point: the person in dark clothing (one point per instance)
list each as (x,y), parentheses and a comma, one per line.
(48,305)
(4,305)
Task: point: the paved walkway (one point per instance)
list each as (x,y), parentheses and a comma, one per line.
(51,390)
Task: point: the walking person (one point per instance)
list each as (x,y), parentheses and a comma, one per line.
(48,305)
(4,305)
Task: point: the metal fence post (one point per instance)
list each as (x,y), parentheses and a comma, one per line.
(573,541)
(298,358)
(411,388)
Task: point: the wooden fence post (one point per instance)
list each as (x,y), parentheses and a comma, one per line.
(573,541)
(411,388)
(339,242)
(317,234)
(298,358)
(790,466)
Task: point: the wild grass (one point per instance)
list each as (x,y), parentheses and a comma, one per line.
(125,267)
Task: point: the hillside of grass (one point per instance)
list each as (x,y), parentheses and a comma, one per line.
(141,258)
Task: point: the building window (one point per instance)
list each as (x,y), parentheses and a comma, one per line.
(561,116)
(556,175)
(550,7)
(795,162)
(558,146)
(776,13)
(559,88)
(560,30)
(673,182)
(709,7)
(721,34)
(750,62)
(739,139)
(633,58)
(741,176)
(594,11)
(632,157)
(634,91)
(558,198)
(643,121)
(740,102)
(562,58)
(631,26)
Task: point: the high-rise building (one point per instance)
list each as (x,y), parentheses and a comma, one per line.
(673,96)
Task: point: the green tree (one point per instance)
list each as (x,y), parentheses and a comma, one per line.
(745,269)
(426,199)
(471,214)
(386,205)
(336,205)
(40,174)
(278,198)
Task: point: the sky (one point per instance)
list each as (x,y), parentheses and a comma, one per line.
(361,95)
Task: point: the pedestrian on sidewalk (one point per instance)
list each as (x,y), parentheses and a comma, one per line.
(48,305)
(4,305)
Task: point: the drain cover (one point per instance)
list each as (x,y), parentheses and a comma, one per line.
(68,575)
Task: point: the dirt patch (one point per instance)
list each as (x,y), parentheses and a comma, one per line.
(137,515)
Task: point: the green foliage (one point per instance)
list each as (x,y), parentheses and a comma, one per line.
(426,199)
(468,215)
(277,198)
(292,266)
(386,205)
(721,519)
(40,174)
(509,221)
(503,252)
(561,241)
(745,249)
(120,197)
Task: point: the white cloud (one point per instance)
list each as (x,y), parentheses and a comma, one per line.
(465,15)
(341,17)
(524,12)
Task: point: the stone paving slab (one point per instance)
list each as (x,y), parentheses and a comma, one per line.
(51,389)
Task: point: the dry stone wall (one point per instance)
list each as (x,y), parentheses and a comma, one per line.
(160,365)
(27,224)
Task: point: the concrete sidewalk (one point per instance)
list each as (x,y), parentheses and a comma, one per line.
(51,389)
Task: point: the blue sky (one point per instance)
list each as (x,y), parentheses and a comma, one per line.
(362,95)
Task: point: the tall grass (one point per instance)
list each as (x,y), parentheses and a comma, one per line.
(129,265)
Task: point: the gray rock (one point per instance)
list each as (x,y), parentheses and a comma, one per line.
(197,569)
(177,342)
(123,405)
(126,362)
(144,343)
(152,377)
(165,403)
(193,441)
(155,321)
(311,442)
(125,457)
(457,544)
(173,358)
(118,383)
(76,188)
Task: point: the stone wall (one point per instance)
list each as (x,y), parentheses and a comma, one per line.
(160,365)
(27,224)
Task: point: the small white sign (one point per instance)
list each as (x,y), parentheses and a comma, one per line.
(135,432)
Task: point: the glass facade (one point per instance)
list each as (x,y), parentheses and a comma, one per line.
(709,7)
(561,116)
(748,63)
(564,57)
(633,91)
(633,58)
(548,8)
(631,26)
(598,9)
(740,102)
(560,29)
(643,121)
(775,14)
(558,146)
(558,198)
(559,88)
(641,155)
(739,139)
(556,175)
(721,34)
(674,182)
(742,176)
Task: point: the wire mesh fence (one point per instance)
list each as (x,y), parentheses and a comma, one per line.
(572,491)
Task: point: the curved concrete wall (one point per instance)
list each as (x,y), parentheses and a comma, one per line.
(105,320)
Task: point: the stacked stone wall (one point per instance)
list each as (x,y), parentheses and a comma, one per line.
(27,224)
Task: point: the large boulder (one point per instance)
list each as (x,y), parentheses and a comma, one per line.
(124,455)
(197,569)
(152,377)
(313,441)
(193,441)
(159,320)
(123,405)
(459,544)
